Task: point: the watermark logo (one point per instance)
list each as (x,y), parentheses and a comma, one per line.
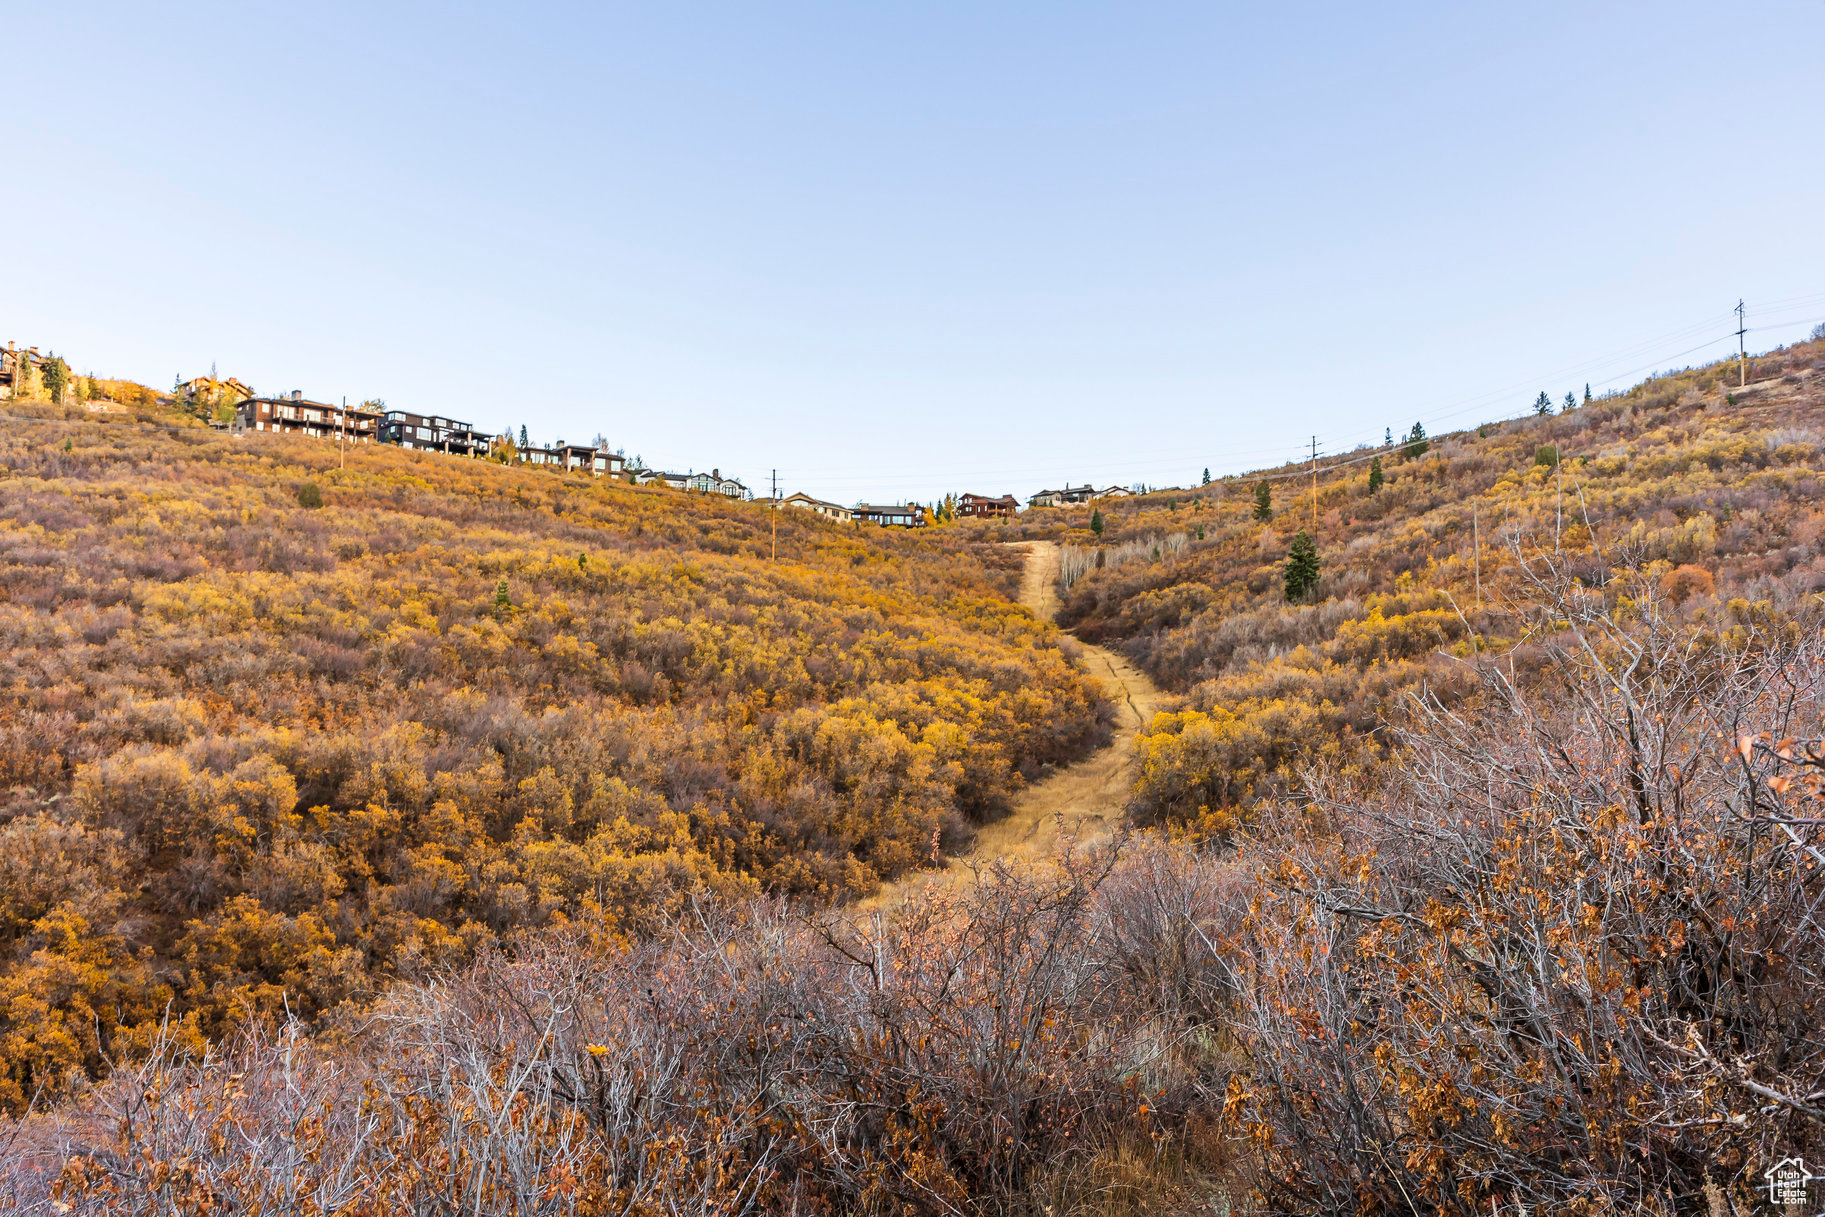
(1787,1180)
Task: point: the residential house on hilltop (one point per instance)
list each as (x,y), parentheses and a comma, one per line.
(714,483)
(908,515)
(830,511)
(21,372)
(654,477)
(703,483)
(210,391)
(983,505)
(431,433)
(297,415)
(1114,492)
(1070,494)
(599,462)
(585,457)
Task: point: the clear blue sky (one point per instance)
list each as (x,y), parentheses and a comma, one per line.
(898,250)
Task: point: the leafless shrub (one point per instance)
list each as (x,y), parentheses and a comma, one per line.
(1076,561)
(1027,1033)
(1780,437)
(1568,954)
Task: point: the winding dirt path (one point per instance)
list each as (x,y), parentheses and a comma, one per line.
(1082,800)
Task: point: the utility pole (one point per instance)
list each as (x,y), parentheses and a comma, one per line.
(1742,349)
(1314,487)
(773,512)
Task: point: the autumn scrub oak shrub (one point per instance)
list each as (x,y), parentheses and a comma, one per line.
(310,495)
(316,761)
(1685,581)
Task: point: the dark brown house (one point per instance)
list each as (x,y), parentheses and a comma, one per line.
(431,433)
(983,505)
(296,415)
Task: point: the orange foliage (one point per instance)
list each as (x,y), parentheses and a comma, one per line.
(276,757)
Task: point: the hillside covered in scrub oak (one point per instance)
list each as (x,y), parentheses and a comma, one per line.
(257,756)
(1480,874)
(1709,492)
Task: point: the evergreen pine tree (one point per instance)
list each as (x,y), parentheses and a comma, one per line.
(503,603)
(1264,501)
(523,444)
(1301,566)
(1375,475)
(56,377)
(1587,392)
(1571,403)
(1096,521)
(1206,480)
(1387,437)
(1417,444)
(1543,404)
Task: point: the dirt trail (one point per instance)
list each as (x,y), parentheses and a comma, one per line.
(1089,795)
(1084,799)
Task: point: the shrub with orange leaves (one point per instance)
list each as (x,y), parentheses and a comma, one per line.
(277,759)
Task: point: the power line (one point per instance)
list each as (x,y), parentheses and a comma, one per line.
(1455,410)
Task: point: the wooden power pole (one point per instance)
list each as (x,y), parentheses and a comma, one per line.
(774,514)
(1742,348)
(1476,551)
(1314,487)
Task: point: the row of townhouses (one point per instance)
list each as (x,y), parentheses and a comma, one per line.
(297,415)
(433,433)
(968,506)
(20,373)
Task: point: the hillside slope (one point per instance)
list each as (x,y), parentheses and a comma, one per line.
(1709,491)
(255,753)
